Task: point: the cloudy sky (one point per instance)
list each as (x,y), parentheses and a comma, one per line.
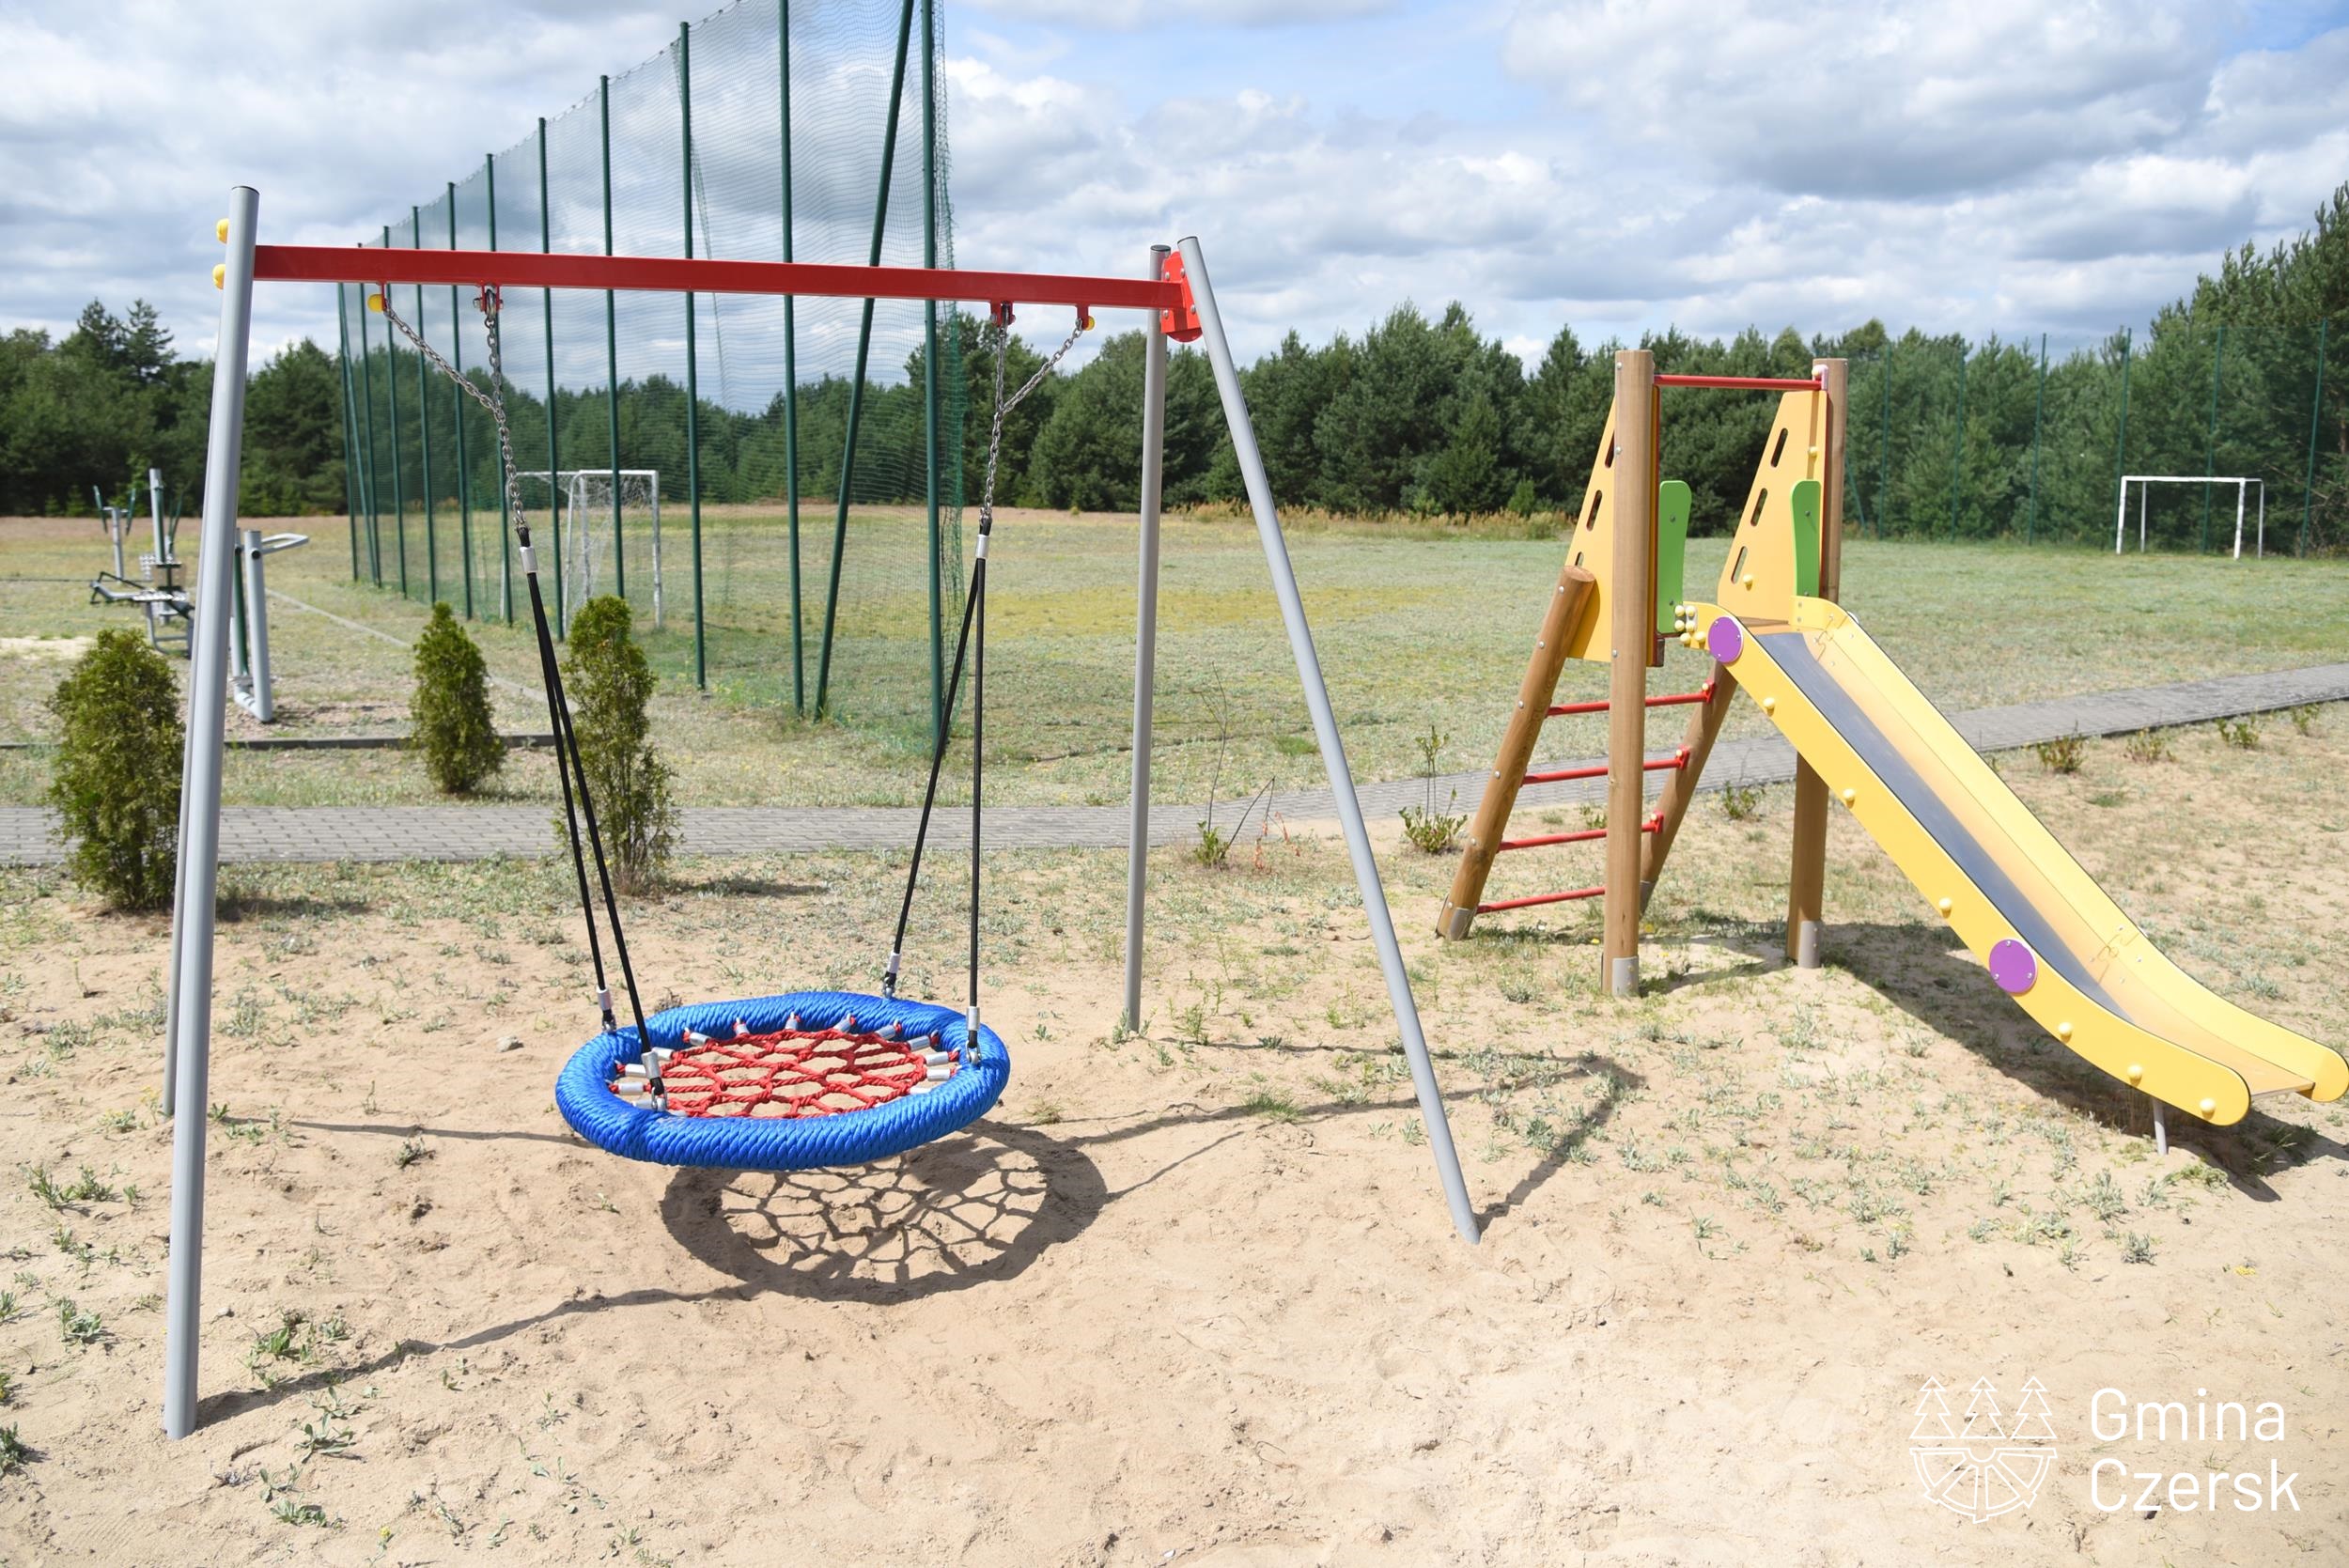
(2008,165)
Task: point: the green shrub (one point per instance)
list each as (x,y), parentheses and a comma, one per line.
(2065,753)
(116,778)
(450,710)
(610,683)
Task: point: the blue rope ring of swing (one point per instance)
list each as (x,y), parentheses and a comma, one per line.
(784,1082)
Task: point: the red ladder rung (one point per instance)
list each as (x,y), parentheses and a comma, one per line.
(1499,905)
(1586,835)
(1679,759)
(1672,699)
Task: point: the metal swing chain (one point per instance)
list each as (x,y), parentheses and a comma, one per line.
(489,301)
(972,608)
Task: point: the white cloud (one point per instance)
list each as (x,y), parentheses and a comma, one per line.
(1126,16)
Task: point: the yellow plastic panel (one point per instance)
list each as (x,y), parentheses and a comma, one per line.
(1759,579)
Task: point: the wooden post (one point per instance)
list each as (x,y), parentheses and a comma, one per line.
(1516,751)
(1704,728)
(1631,643)
(1806,883)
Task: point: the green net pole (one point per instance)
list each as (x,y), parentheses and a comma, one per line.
(506,511)
(2121,441)
(1884,451)
(791,383)
(2316,419)
(2210,439)
(612,350)
(506,520)
(367,473)
(2038,413)
(399,498)
(864,351)
(1957,448)
(349,422)
(456,401)
(554,457)
(929,366)
(693,373)
(424,430)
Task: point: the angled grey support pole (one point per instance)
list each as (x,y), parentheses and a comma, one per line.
(263,704)
(1145,639)
(199,842)
(1276,555)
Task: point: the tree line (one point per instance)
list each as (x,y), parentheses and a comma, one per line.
(1416,415)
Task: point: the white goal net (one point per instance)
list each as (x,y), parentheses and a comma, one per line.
(607,527)
(2246,495)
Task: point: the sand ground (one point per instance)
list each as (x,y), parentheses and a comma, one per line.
(1191,1296)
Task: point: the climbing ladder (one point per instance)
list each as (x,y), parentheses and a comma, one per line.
(1618,597)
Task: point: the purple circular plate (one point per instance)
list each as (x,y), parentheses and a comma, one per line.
(2012,967)
(1725,639)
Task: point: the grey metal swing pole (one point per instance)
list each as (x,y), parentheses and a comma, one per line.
(1145,639)
(200,843)
(1276,557)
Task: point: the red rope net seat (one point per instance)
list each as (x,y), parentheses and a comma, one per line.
(794,1072)
(784,1082)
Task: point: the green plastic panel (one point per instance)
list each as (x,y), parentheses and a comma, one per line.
(1806,509)
(1672,549)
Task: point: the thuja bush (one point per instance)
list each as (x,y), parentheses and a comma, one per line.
(610,685)
(116,778)
(450,710)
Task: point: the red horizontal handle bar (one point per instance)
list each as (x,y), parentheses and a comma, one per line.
(1653,825)
(1539,898)
(365,264)
(1659,765)
(1703,693)
(1744,383)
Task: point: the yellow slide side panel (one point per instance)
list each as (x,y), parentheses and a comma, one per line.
(2125,956)
(1759,580)
(2170,1073)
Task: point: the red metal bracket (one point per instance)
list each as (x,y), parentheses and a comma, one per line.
(1180,321)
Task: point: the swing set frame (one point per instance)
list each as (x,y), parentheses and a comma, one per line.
(1178,302)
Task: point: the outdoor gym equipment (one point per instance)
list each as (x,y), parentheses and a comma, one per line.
(163,596)
(1864,736)
(1177,300)
(159,593)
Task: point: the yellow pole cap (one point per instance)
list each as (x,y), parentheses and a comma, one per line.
(220,231)
(375,303)
(220,276)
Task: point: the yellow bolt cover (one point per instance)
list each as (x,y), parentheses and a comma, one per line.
(375,303)
(1849,796)
(2063,1032)
(1746,581)
(2209,1106)
(1770,705)
(2137,1071)
(220,231)
(220,276)
(1946,906)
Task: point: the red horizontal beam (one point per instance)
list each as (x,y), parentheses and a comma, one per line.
(1602,705)
(369,264)
(1744,383)
(1500,904)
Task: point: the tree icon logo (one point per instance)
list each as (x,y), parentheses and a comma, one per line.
(1982,1464)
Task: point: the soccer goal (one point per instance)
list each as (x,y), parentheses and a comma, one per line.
(596,510)
(2244,485)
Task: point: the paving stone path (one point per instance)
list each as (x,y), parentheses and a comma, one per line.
(479,833)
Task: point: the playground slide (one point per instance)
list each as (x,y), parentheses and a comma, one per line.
(2049,935)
